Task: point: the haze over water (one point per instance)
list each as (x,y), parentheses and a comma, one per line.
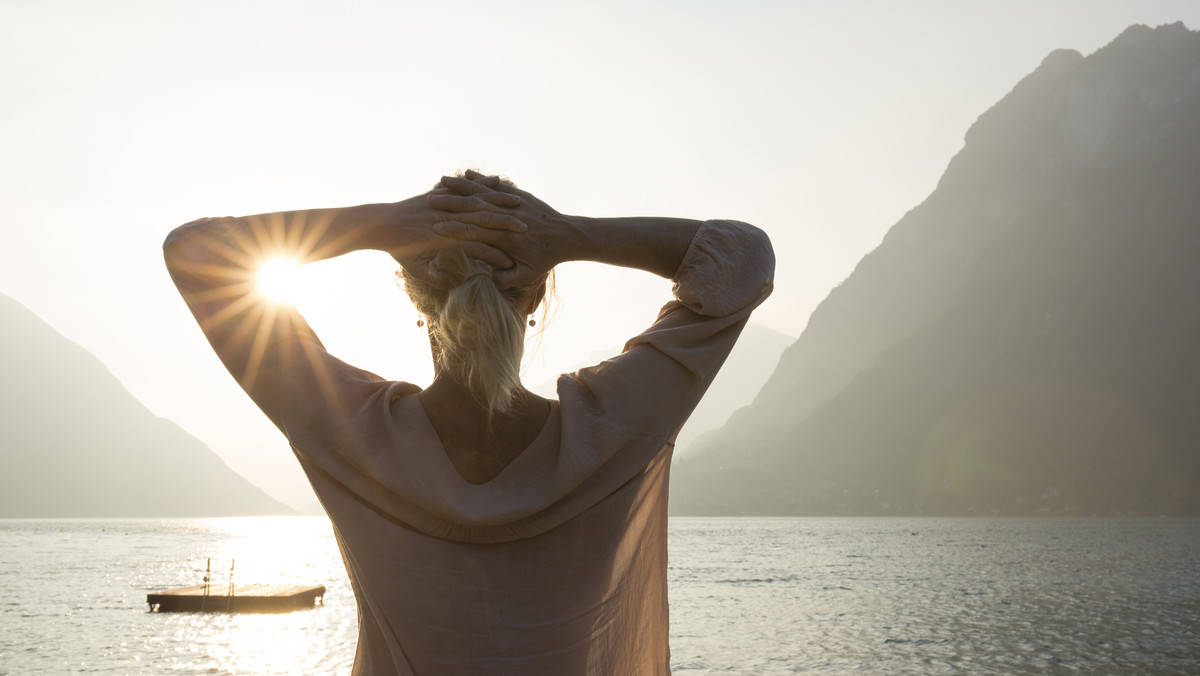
(822,123)
(748,596)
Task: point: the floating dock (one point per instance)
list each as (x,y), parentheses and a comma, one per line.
(244,598)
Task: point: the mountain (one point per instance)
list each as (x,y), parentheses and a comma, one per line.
(749,365)
(1021,342)
(75,443)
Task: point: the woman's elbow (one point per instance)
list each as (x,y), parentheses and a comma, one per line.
(757,252)
(192,248)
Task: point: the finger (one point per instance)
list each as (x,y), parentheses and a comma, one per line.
(488,254)
(514,277)
(473,233)
(493,220)
(489,181)
(462,186)
(494,182)
(428,271)
(497,184)
(456,203)
(501,199)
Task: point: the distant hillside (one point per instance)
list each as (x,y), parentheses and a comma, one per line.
(75,443)
(751,362)
(1024,341)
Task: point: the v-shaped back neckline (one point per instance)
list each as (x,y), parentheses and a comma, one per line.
(446,464)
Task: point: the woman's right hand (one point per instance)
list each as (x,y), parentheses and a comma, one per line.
(549,239)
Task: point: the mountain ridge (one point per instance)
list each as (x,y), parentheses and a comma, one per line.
(77,443)
(1034,164)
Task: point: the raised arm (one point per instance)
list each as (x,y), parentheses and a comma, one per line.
(722,271)
(238,246)
(654,244)
(215,261)
(728,267)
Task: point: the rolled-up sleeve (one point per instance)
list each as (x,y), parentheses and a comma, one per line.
(728,266)
(652,387)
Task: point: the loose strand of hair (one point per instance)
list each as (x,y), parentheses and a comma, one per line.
(483,342)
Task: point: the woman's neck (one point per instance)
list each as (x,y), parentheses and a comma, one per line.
(480,447)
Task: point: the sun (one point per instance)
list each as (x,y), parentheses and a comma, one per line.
(279,280)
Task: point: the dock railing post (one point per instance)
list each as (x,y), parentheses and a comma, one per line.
(207,577)
(229,595)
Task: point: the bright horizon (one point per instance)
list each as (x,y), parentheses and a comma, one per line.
(821,123)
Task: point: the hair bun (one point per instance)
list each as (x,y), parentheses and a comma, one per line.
(480,270)
(458,267)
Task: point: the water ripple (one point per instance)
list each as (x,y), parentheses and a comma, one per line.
(748,596)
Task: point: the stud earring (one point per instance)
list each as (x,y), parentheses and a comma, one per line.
(533,322)
(420,323)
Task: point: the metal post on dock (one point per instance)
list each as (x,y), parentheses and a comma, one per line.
(207,577)
(229,595)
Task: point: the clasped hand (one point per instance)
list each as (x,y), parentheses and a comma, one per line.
(534,248)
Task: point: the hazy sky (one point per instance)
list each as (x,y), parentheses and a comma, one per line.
(822,122)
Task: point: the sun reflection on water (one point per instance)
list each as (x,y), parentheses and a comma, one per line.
(269,550)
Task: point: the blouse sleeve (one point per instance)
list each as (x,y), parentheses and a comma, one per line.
(652,387)
(267,347)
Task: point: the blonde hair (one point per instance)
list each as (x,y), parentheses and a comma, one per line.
(477,330)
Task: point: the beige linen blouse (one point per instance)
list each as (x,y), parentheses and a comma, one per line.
(558,564)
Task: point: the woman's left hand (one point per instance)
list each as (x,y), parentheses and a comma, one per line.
(414,244)
(457,194)
(548,238)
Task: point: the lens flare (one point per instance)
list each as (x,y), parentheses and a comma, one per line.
(279,280)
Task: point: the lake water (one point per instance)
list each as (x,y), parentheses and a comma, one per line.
(748,596)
